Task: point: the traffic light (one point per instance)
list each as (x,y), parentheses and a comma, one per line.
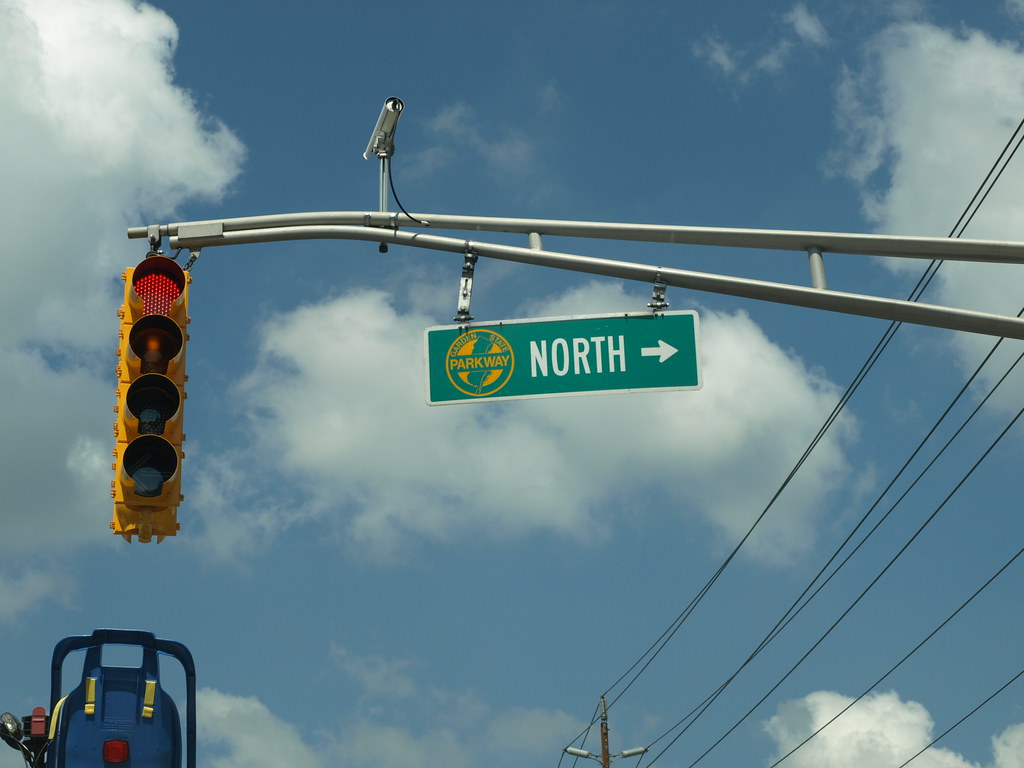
(150,399)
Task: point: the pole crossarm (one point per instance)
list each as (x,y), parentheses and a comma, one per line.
(384,228)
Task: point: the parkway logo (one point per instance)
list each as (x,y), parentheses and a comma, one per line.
(479,362)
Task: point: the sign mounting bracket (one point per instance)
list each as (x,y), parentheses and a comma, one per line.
(462,316)
(657,302)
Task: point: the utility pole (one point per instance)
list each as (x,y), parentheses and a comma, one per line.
(606,756)
(606,759)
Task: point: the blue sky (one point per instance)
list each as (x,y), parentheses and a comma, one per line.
(376,582)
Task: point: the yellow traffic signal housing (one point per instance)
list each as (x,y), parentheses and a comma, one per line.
(150,400)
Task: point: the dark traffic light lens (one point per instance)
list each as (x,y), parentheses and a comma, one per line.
(153,399)
(150,461)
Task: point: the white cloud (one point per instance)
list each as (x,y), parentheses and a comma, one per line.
(88,143)
(739,65)
(774,59)
(375,745)
(881,729)
(807,26)
(445,727)
(717,53)
(453,729)
(925,118)
(338,400)
(458,724)
(240,732)
(56,471)
(531,733)
(503,151)
(550,97)
(94,134)
(929,112)
(1008,747)
(497,738)
(238,517)
(742,66)
(378,676)
(32,588)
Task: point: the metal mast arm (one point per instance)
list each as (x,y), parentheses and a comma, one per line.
(782,240)
(380,227)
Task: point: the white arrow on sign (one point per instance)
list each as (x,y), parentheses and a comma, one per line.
(663,351)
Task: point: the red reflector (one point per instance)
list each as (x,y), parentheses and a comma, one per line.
(115,751)
(38,723)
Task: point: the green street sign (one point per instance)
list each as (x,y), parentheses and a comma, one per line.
(556,356)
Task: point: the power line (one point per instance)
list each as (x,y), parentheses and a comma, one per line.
(915,294)
(867,589)
(942,735)
(648,656)
(1002,167)
(899,663)
(979,197)
(677,623)
(796,607)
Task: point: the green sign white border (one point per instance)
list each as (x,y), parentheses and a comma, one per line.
(498,324)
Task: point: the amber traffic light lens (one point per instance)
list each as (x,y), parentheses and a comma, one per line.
(155,340)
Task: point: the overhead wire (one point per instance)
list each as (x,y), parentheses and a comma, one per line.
(979,197)
(942,735)
(582,735)
(796,607)
(965,218)
(859,597)
(1001,165)
(677,623)
(880,346)
(916,292)
(899,663)
(652,652)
